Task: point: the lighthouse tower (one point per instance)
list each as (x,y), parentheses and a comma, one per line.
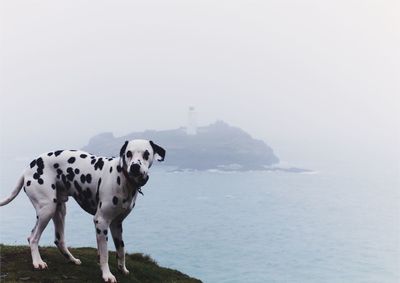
(191,128)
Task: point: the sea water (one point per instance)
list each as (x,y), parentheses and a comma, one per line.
(339,225)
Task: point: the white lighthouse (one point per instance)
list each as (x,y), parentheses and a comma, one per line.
(191,128)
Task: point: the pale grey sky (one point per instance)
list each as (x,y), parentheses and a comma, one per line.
(308,77)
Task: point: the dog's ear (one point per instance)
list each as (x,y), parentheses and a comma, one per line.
(123,148)
(158,150)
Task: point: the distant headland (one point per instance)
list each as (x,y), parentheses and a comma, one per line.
(217,146)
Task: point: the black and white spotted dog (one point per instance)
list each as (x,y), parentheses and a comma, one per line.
(104,187)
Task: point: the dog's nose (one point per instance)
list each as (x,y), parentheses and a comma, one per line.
(135,169)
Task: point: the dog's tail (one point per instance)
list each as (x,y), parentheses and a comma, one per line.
(15,192)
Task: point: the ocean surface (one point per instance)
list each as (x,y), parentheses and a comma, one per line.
(335,225)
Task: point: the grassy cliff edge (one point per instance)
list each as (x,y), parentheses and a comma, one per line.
(16,266)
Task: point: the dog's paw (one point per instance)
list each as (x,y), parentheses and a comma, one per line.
(123,269)
(40,265)
(76,261)
(109,278)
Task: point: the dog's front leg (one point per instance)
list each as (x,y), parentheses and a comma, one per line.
(101,225)
(116,232)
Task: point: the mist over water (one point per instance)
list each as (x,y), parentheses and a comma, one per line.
(316,80)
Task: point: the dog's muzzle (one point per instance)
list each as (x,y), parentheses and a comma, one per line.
(137,175)
(135,170)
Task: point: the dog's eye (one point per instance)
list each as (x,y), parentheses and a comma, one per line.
(146,155)
(129,154)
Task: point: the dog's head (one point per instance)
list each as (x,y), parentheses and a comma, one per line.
(137,157)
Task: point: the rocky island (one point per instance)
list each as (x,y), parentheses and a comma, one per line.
(218,146)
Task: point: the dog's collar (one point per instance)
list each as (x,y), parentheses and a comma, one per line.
(132,182)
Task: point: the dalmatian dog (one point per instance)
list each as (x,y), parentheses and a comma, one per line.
(104,187)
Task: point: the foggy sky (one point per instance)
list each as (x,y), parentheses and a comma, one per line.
(308,77)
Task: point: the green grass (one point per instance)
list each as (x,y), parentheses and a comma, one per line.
(16,266)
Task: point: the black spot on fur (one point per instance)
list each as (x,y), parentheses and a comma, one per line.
(117,243)
(76,171)
(99,164)
(71,160)
(36,176)
(77,186)
(115,200)
(33,163)
(93,161)
(59,171)
(83,156)
(40,181)
(119,168)
(146,155)
(100,204)
(97,192)
(53,186)
(129,154)
(71,174)
(107,239)
(98,230)
(56,165)
(118,180)
(110,169)
(58,152)
(83,178)
(54,200)
(87,193)
(64,179)
(92,157)
(50,154)
(28,183)
(105,232)
(88,178)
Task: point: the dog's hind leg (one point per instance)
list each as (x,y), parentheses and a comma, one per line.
(44,214)
(59,221)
